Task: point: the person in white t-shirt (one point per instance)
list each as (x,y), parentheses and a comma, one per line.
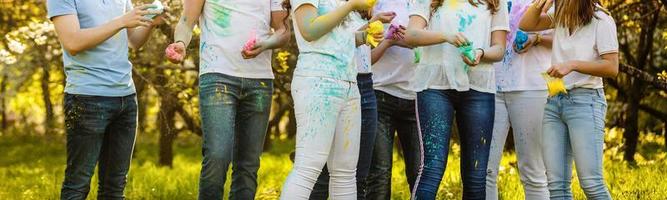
(364,58)
(585,49)
(461,40)
(235,85)
(326,97)
(520,98)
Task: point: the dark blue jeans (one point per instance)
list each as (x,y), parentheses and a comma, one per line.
(99,130)
(369,119)
(235,114)
(474,113)
(395,116)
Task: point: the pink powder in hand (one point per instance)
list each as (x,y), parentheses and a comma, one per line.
(171,53)
(251,42)
(391,31)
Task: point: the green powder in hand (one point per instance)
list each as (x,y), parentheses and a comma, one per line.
(468,51)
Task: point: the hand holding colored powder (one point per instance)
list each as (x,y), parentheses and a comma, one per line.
(555,86)
(391,31)
(468,51)
(520,39)
(374,28)
(155,6)
(175,52)
(250,44)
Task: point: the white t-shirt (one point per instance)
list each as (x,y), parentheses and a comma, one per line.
(225,28)
(441,65)
(520,72)
(362,55)
(587,43)
(330,56)
(392,73)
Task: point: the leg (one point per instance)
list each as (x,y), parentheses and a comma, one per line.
(342,162)
(117,150)
(435,112)
(408,136)
(501,126)
(369,120)
(317,103)
(475,127)
(584,117)
(218,100)
(321,187)
(379,179)
(526,110)
(86,118)
(556,151)
(252,120)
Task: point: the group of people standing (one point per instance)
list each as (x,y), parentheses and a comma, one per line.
(440,60)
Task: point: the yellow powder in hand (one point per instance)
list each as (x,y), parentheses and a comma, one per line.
(373,29)
(555,86)
(371,3)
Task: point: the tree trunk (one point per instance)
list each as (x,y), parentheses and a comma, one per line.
(46,97)
(3,110)
(631,134)
(167,130)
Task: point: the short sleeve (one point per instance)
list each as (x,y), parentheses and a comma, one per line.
(606,40)
(500,20)
(420,8)
(297,3)
(277,5)
(56,8)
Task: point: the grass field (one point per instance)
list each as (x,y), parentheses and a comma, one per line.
(32,168)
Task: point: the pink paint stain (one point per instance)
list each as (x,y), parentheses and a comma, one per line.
(171,53)
(250,44)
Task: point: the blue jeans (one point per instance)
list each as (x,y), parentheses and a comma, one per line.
(235,114)
(369,118)
(574,130)
(396,116)
(99,129)
(474,116)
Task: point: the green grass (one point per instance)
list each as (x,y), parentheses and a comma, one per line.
(32,168)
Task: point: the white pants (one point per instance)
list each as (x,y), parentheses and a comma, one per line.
(328,117)
(523,110)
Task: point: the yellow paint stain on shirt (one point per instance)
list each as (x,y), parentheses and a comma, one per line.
(347,144)
(453,4)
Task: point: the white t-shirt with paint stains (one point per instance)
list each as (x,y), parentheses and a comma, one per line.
(330,56)
(362,54)
(225,28)
(521,72)
(392,73)
(587,43)
(441,65)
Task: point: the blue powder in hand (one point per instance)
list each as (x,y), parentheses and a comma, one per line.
(520,39)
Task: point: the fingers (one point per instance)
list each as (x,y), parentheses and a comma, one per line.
(467,61)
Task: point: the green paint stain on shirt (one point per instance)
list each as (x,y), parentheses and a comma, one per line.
(222,19)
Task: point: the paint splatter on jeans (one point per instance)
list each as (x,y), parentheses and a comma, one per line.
(369,120)
(328,117)
(99,130)
(474,113)
(235,114)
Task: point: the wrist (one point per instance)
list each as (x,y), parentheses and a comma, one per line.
(481,51)
(572,65)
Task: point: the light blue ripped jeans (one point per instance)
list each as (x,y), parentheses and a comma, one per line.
(574,130)
(328,118)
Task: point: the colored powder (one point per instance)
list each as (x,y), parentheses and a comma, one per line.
(371,3)
(521,39)
(373,29)
(251,42)
(282,58)
(555,86)
(468,51)
(418,55)
(391,31)
(171,53)
(221,18)
(156,5)
(453,4)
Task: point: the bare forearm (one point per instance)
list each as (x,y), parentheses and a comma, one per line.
(494,53)
(138,36)
(379,51)
(420,37)
(534,20)
(183,30)
(80,40)
(313,27)
(547,41)
(601,68)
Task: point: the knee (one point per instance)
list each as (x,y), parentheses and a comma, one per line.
(593,186)
(560,188)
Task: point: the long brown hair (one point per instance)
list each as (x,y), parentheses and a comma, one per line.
(491,5)
(573,14)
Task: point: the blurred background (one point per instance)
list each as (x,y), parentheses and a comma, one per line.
(168,151)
